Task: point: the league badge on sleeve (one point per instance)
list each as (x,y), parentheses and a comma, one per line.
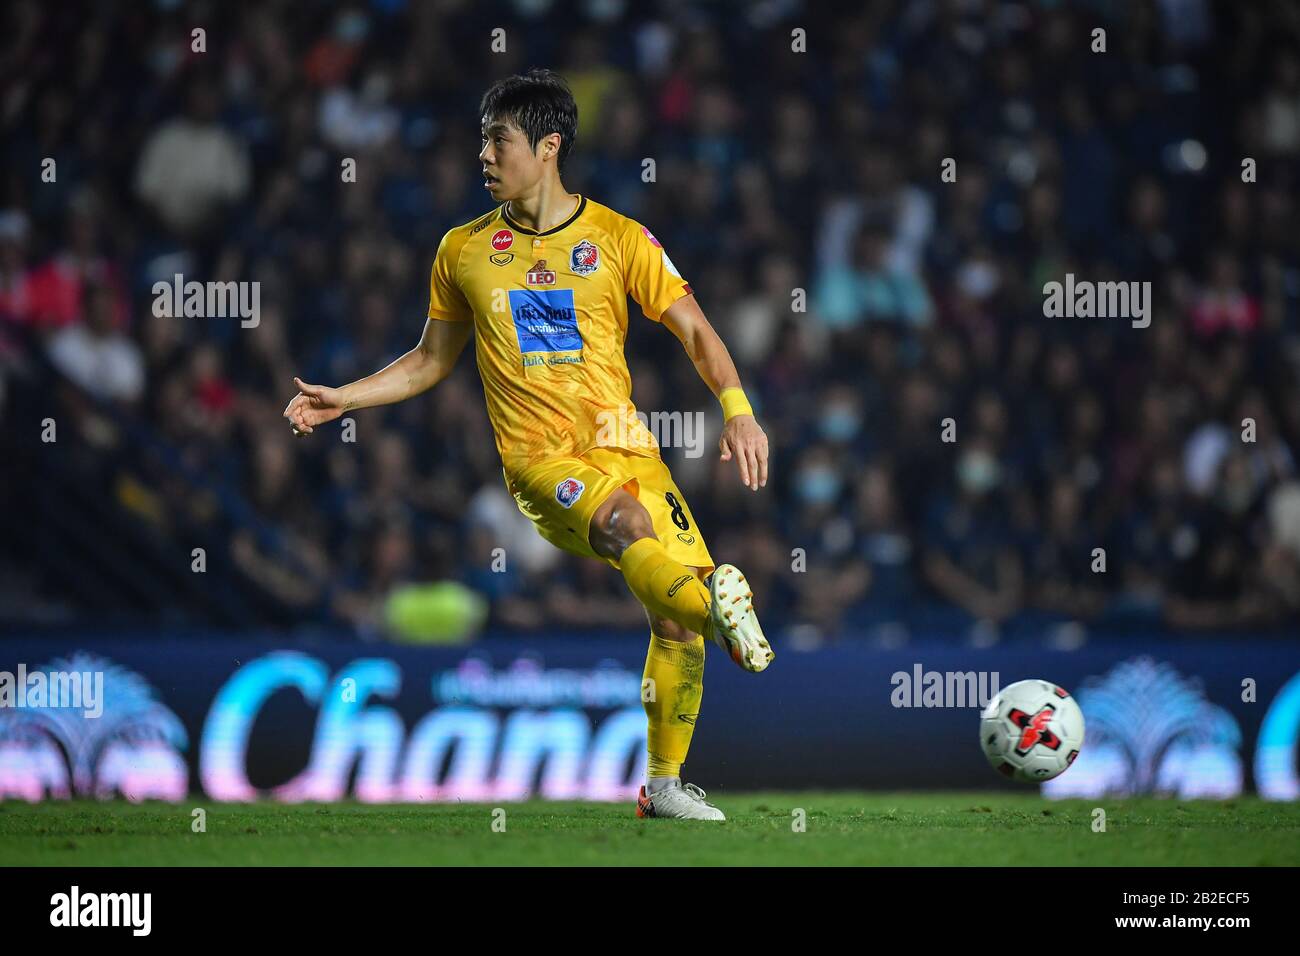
(668,263)
(584,258)
(568,491)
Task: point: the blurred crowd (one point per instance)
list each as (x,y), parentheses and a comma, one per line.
(942,451)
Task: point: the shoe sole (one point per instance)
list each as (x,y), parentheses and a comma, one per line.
(735,626)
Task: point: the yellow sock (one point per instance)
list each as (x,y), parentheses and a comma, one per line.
(667,587)
(671,692)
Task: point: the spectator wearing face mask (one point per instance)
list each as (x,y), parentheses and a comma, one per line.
(885,544)
(833,577)
(969,556)
(840,421)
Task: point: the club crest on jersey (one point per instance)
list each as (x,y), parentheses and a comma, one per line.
(502,240)
(584,258)
(539,274)
(568,491)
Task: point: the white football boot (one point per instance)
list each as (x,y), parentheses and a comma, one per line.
(677,801)
(733,626)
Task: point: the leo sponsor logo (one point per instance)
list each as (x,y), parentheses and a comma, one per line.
(540,275)
(502,240)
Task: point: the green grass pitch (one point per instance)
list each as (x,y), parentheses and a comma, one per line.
(853,829)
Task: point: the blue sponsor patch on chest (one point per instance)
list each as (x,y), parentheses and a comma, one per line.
(545,320)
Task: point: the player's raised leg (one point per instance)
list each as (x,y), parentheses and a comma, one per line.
(723,611)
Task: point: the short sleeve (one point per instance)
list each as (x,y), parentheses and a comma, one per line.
(446,300)
(649,275)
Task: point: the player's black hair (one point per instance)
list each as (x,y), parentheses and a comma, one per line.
(539,103)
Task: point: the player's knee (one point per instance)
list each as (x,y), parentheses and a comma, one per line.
(619,521)
(668,629)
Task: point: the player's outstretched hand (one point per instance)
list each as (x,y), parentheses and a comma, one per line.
(313,405)
(743,438)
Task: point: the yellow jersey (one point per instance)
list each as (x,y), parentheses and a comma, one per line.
(550,319)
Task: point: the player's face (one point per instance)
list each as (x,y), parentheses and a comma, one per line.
(510,166)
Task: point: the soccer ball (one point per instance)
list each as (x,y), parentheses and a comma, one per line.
(1031,731)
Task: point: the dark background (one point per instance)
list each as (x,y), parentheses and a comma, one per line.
(776,171)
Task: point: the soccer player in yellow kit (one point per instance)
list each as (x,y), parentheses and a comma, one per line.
(542,281)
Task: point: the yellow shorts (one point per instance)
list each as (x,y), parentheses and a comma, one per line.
(560,495)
